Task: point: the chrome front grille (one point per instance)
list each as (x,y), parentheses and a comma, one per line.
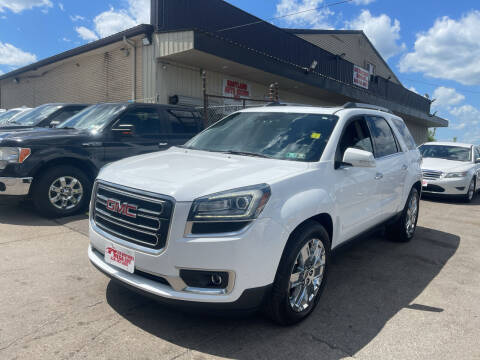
(132,215)
(431,174)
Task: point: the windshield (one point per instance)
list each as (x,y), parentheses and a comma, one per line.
(7,116)
(455,153)
(94,118)
(35,116)
(286,136)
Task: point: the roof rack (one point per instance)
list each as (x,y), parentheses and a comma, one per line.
(353,105)
(285,104)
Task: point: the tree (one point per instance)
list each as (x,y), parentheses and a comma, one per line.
(431,135)
(454,139)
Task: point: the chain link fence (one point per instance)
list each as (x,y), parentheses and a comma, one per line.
(219,107)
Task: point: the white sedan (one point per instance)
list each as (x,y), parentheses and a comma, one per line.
(451,168)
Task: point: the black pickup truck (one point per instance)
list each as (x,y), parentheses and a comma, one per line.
(57,167)
(47,115)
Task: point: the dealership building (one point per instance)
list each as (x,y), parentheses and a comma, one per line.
(210,52)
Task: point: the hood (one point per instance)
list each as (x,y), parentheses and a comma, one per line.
(188,174)
(42,136)
(445,165)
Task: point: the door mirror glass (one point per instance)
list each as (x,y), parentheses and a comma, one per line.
(124,129)
(358,158)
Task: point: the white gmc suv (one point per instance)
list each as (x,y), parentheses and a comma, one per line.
(247,212)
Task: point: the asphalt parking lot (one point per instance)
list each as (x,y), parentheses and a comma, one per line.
(383,300)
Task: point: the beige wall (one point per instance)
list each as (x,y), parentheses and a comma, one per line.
(102,75)
(356,47)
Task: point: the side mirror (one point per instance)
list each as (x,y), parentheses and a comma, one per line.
(54,123)
(477,161)
(124,129)
(359,158)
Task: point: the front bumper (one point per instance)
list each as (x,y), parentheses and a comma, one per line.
(458,186)
(250,256)
(15,186)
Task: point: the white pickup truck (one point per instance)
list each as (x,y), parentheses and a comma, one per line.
(247,212)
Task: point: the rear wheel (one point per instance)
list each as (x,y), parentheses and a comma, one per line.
(403,229)
(61,191)
(301,275)
(470,195)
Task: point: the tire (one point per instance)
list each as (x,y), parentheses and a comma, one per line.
(50,184)
(403,229)
(278,306)
(470,195)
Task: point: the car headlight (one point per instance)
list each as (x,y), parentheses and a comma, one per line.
(13,155)
(456,175)
(243,204)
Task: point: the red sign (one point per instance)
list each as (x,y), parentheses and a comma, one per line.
(236,89)
(361,77)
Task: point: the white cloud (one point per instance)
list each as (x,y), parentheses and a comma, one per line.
(382,31)
(60,5)
(316,19)
(13,56)
(18,6)
(66,39)
(113,21)
(86,34)
(448,50)
(362,2)
(467,114)
(75,18)
(446,97)
(411,88)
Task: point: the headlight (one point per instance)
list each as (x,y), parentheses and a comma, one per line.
(242,204)
(13,155)
(456,175)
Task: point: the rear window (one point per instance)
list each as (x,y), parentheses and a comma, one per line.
(403,130)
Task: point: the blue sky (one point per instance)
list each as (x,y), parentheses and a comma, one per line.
(432,46)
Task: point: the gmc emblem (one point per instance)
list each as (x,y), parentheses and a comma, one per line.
(125,209)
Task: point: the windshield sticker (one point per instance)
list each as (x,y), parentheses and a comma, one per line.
(316,135)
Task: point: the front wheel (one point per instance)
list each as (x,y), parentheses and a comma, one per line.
(61,191)
(470,195)
(403,229)
(301,275)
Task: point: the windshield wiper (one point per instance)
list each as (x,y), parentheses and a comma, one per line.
(246,153)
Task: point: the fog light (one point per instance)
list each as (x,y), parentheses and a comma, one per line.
(205,279)
(216,280)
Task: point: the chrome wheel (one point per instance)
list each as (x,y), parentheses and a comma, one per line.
(411,215)
(307,275)
(471,190)
(65,193)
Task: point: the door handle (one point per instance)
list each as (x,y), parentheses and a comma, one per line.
(163,144)
(404,167)
(379,176)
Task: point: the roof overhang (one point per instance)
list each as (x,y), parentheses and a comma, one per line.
(101,44)
(214,53)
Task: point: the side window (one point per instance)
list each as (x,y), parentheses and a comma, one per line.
(182,122)
(406,135)
(383,138)
(477,153)
(63,115)
(356,135)
(145,120)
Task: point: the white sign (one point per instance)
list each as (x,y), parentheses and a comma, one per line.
(236,89)
(361,77)
(120,257)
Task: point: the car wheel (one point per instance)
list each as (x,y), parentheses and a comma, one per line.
(403,229)
(301,275)
(470,195)
(61,191)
